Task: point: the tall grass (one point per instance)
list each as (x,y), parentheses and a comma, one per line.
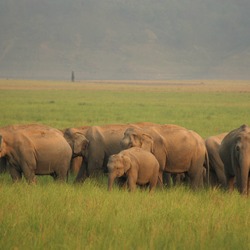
(53,215)
(87,216)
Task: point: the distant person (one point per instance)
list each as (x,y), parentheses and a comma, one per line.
(72,76)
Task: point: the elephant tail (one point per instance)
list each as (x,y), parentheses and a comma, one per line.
(67,176)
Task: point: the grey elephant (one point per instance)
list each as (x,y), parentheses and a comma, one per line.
(177,149)
(217,175)
(235,154)
(35,149)
(103,141)
(139,166)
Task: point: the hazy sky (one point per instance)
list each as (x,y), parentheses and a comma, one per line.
(125,39)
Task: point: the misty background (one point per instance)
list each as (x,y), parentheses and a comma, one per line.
(125,39)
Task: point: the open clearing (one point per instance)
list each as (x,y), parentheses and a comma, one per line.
(67,216)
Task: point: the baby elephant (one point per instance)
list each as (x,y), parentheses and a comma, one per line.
(139,166)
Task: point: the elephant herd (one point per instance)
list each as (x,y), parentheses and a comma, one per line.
(137,154)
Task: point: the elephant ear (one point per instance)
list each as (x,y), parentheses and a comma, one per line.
(134,138)
(80,144)
(147,143)
(127,163)
(77,141)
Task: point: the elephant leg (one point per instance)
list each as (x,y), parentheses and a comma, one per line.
(30,177)
(82,173)
(61,176)
(15,174)
(196,179)
(179,179)
(132,183)
(153,183)
(221,177)
(167,179)
(213,180)
(29,172)
(176,178)
(96,167)
(160,180)
(230,183)
(75,165)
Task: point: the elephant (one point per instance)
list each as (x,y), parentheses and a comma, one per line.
(77,141)
(138,165)
(103,142)
(217,175)
(71,135)
(177,149)
(235,155)
(35,149)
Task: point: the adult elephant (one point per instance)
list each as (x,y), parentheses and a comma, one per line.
(35,149)
(235,154)
(103,142)
(177,149)
(217,175)
(78,142)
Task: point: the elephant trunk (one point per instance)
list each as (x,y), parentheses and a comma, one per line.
(124,144)
(244,179)
(111,179)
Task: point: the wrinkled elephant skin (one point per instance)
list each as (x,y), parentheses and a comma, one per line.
(139,166)
(217,175)
(235,154)
(103,142)
(178,150)
(35,150)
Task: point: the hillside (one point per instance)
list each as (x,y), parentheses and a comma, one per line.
(124,39)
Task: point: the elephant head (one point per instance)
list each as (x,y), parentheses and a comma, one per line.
(77,141)
(241,162)
(137,138)
(118,165)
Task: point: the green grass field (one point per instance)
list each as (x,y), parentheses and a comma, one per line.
(67,216)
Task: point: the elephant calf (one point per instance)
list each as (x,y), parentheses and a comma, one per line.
(139,166)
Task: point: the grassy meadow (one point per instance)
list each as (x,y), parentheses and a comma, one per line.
(66,216)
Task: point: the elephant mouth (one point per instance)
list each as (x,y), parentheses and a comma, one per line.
(74,155)
(126,145)
(130,145)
